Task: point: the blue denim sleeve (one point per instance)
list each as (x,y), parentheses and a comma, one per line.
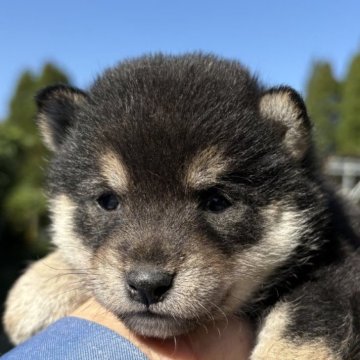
(73,338)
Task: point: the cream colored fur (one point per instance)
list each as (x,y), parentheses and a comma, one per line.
(47,291)
(273,345)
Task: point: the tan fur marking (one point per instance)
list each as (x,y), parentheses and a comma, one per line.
(205,168)
(46,132)
(272,345)
(114,171)
(74,97)
(281,108)
(254,265)
(71,247)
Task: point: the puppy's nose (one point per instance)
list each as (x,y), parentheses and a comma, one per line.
(148,285)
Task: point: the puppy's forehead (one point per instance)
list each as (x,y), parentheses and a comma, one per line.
(199,170)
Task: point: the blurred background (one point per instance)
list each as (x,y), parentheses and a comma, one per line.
(313,46)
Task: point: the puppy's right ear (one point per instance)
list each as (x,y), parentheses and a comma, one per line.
(57,108)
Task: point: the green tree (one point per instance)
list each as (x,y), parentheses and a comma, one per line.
(22,105)
(348,136)
(51,74)
(323,98)
(22,162)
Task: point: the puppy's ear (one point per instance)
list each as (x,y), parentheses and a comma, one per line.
(57,108)
(285,107)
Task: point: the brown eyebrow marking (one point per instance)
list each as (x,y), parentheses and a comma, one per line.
(206,168)
(114,171)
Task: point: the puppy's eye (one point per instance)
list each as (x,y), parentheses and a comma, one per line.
(213,201)
(108,201)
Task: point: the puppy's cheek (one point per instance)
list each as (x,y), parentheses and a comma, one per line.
(199,292)
(63,210)
(254,265)
(108,279)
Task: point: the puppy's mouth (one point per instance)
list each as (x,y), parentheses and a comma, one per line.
(150,324)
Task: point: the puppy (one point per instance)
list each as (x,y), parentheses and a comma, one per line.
(181,191)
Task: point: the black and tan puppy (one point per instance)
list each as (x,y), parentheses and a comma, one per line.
(182,190)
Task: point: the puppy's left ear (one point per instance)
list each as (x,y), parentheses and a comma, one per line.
(58,106)
(285,107)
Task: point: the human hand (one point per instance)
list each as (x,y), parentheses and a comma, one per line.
(226,340)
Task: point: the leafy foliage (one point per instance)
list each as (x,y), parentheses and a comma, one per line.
(22,159)
(349,127)
(334,106)
(323,99)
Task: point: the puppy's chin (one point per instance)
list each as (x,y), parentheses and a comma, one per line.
(158,326)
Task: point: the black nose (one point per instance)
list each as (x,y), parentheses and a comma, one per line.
(148,285)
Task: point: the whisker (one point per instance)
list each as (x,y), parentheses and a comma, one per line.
(57,276)
(175,346)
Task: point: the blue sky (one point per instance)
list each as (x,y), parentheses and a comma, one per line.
(279,40)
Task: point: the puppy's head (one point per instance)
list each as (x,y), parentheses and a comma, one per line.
(179,185)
